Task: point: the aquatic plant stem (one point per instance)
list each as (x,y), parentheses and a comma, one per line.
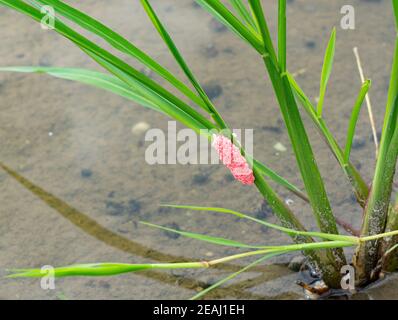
(358,184)
(334,258)
(287,218)
(389,261)
(107,269)
(376,210)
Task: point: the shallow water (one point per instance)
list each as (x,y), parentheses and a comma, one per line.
(78,182)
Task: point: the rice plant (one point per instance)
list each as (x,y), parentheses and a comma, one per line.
(378,238)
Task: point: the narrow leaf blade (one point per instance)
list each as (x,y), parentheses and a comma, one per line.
(206,238)
(96,79)
(282,35)
(326,70)
(354,118)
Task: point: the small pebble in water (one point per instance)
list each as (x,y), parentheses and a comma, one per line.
(195,5)
(86,173)
(211,51)
(217,26)
(134,206)
(358,143)
(50,134)
(310,44)
(272,129)
(200,178)
(213,90)
(279,147)
(114,208)
(264,212)
(229,178)
(357,164)
(139,128)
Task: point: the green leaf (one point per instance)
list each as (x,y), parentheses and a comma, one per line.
(206,238)
(395,8)
(282,35)
(93,269)
(279,179)
(93,78)
(219,11)
(326,70)
(110,269)
(267,224)
(354,118)
(119,43)
(180,60)
(256,7)
(241,9)
(100,269)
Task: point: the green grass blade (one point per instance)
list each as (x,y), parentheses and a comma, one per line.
(326,71)
(220,12)
(233,275)
(305,158)
(206,238)
(120,43)
(93,269)
(180,60)
(305,101)
(163,103)
(395,8)
(267,224)
(359,185)
(110,269)
(241,9)
(96,79)
(354,118)
(100,269)
(279,179)
(282,35)
(257,10)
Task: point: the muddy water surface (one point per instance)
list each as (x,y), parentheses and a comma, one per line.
(76,183)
